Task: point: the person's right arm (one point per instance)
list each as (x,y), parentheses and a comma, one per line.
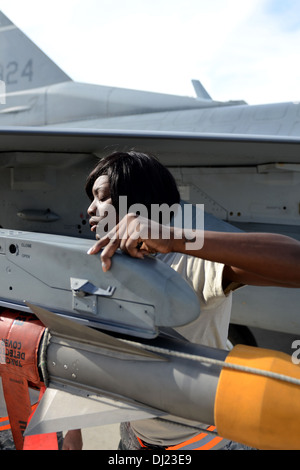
(249,258)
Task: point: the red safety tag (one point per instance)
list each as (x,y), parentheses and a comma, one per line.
(20,336)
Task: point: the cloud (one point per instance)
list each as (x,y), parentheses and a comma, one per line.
(263,55)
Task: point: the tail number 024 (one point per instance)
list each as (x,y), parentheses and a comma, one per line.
(13,72)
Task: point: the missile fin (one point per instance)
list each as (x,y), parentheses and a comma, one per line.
(64,410)
(70,329)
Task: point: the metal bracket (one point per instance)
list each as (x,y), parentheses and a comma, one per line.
(82,287)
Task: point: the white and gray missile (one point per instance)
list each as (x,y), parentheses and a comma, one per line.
(94,378)
(55,272)
(142,375)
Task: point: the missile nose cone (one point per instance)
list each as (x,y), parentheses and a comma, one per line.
(181,303)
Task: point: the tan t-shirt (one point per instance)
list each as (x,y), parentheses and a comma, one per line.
(209,329)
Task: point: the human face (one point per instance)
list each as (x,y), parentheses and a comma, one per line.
(101,201)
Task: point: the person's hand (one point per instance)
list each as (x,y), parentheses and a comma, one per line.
(73,440)
(136,236)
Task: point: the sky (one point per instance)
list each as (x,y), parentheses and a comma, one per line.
(239,49)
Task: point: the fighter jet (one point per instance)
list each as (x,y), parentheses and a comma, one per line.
(39,93)
(242,162)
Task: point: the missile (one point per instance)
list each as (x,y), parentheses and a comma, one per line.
(135,297)
(107,352)
(96,378)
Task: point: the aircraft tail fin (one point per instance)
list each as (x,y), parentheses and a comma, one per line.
(200,90)
(23,65)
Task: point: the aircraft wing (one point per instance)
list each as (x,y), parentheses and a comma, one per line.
(174,148)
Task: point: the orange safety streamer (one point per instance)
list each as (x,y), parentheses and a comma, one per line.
(20,336)
(18,406)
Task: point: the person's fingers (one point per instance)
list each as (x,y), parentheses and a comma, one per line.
(130,235)
(132,247)
(104,240)
(98,246)
(108,252)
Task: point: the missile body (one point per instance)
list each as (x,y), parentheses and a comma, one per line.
(172,384)
(249,394)
(135,297)
(163,377)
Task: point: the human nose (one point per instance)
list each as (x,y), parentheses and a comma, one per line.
(92,209)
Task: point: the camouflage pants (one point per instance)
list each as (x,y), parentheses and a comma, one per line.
(6,440)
